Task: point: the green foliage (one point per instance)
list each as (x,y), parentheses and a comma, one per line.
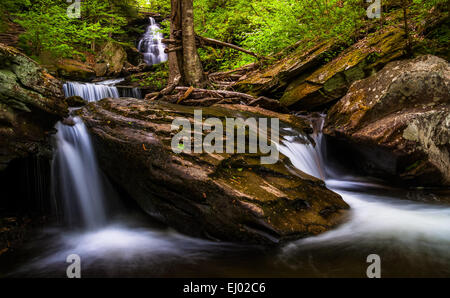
(48,28)
(263,26)
(155,79)
(268,26)
(156,6)
(13,6)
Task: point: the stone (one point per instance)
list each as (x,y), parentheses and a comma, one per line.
(31,101)
(398,122)
(230,197)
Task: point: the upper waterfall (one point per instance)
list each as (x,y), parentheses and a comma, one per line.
(151,44)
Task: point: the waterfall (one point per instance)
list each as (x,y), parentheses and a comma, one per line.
(306,156)
(130,92)
(378,214)
(76,177)
(151,44)
(92,92)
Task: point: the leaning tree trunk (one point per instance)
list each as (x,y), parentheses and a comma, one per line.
(192,67)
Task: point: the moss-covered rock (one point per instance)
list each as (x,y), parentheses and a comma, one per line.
(113,56)
(221,196)
(31,101)
(332,80)
(276,77)
(398,121)
(74,70)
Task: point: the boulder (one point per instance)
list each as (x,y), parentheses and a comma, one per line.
(332,80)
(74,70)
(101,69)
(112,56)
(230,197)
(31,101)
(397,122)
(318,73)
(134,57)
(275,78)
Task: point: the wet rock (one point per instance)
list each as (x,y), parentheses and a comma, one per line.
(398,121)
(31,101)
(222,196)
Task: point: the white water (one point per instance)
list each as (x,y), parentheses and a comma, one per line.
(151,44)
(77,182)
(415,236)
(130,92)
(92,91)
(76,177)
(385,221)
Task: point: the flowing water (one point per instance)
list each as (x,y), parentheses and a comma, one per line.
(76,177)
(411,237)
(131,92)
(151,45)
(93,91)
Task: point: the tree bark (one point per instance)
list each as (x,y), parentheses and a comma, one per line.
(407,34)
(175,58)
(192,67)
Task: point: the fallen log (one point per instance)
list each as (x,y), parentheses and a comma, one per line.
(220,93)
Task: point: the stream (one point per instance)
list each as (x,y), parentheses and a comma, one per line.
(412,238)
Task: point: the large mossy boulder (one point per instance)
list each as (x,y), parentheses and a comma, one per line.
(111,59)
(317,73)
(275,78)
(396,124)
(332,80)
(222,196)
(31,101)
(74,70)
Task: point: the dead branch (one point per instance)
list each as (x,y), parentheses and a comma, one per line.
(186,94)
(210,41)
(202,41)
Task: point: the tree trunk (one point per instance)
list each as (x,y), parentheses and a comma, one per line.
(185,67)
(407,34)
(176,57)
(192,67)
